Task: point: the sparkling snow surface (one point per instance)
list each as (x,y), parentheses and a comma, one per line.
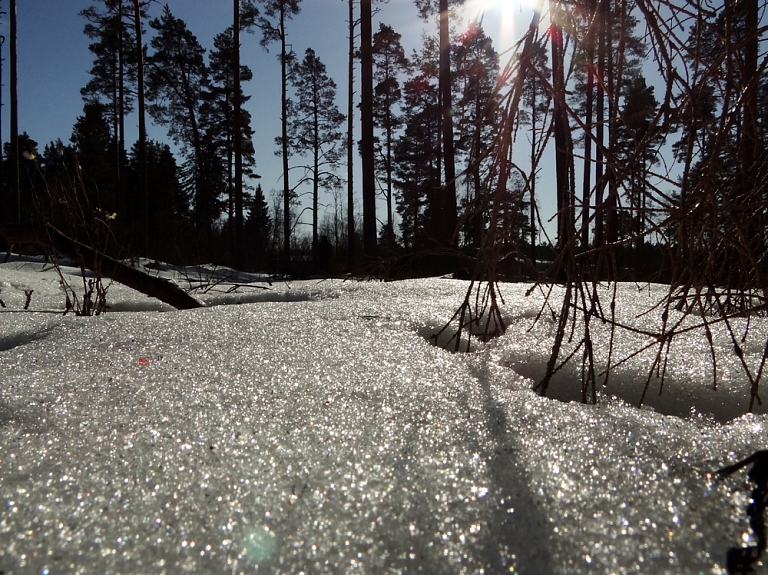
(316,430)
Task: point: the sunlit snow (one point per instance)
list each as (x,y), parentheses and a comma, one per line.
(313,428)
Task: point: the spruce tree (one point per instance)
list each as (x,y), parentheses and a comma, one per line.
(257,230)
(168,214)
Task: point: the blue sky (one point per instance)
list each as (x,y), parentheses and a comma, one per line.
(54,59)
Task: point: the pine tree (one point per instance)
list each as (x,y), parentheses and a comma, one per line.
(637,148)
(351,56)
(367,151)
(11,195)
(537,100)
(139,13)
(113,75)
(418,151)
(314,130)
(389,61)
(176,83)
(722,146)
(477,113)
(273,27)
(446,199)
(30,185)
(219,117)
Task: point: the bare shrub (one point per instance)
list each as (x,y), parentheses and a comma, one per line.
(673,193)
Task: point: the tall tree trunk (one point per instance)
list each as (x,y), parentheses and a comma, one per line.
(389,132)
(602,48)
(284,124)
(533,170)
(475,204)
(237,139)
(3,199)
(750,133)
(315,175)
(586,191)
(448,216)
(143,197)
(122,221)
(351,140)
(366,117)
(564,224)
(15,194)
(613,83)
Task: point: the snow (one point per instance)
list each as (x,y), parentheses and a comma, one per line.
(314,429)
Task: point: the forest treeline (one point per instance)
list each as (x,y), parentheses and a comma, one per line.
(647,119)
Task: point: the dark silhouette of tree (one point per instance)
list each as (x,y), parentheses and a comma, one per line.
(389,62)
(176,83)
(93,143)
(273,26)
(240,22)
(637,149)
(537,99)
(168,219)
(314,130)
(563,143)
(417,151)
(113,75)
(3,192)
(477,111)
(722,145)
(350,137)
(30,183)
(12,153)
(226,132)
(367,151)
(138,15)
(447,199)
(257,230)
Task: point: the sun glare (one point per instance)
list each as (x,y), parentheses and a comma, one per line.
(498,17)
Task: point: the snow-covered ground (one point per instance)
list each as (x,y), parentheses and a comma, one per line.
(314,429)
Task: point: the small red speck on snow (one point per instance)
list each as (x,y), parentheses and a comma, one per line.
(143,361)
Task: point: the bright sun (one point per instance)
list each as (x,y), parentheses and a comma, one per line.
(498,17)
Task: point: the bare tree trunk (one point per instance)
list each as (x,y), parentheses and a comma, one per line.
(588,122)
(602,48)
(237,139)
(750,134)
(14,191)
(447,216)
(351,140)
(533,171)
(122,221)
(564,201)
(284,122)
(366,113)
(3,202)
(143,197)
